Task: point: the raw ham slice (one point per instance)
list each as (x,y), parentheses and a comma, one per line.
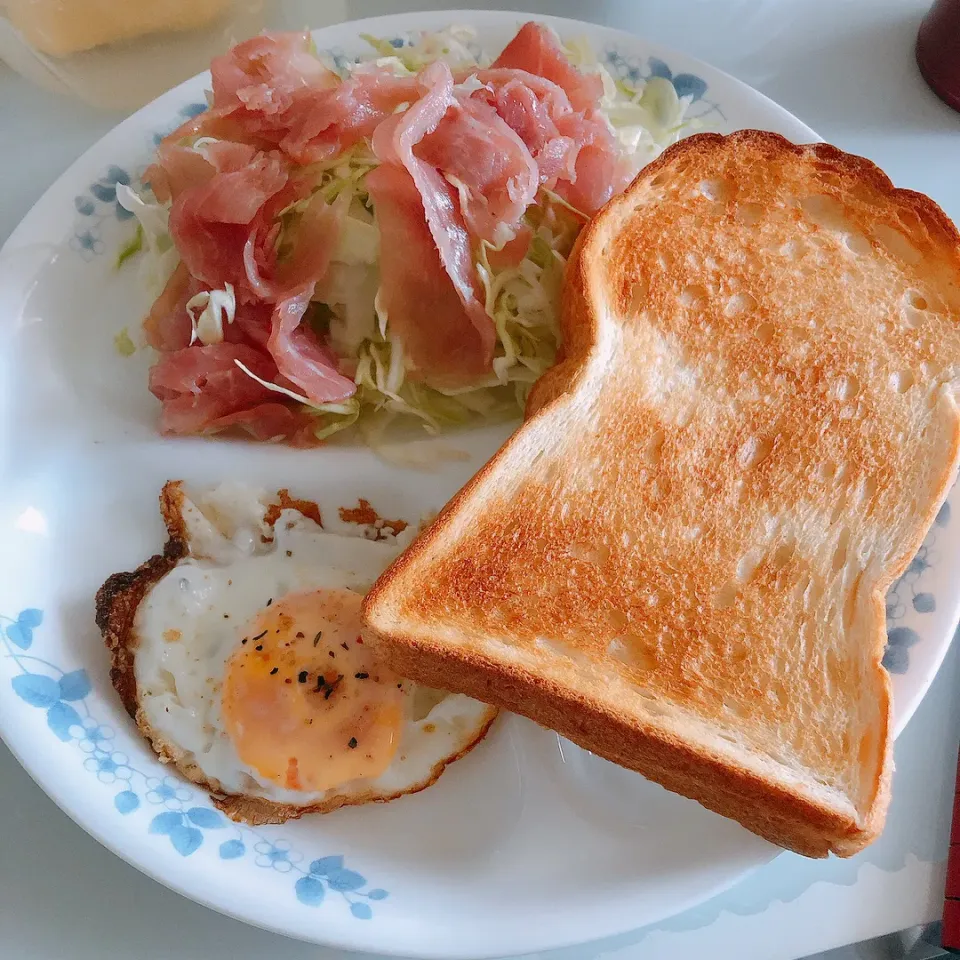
(314,125)
(531,106)
(210,223)
(270,423)
(512,252)
(441,340)
(528,103)
(600,174)
(251,324)
(394,143)
(322,125)
(235,195)
(487,163)
(302,358)
(220,123)
(313,241)
(535,50)
(199,385)
(576,152)
(167,326)
(179,167)
(271,91)
(264,73)
(176,168)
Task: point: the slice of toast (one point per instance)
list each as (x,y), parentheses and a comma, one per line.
(679,561)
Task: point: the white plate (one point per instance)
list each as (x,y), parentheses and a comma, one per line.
(520,846)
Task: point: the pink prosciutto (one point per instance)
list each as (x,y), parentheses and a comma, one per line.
(273,91)
(600,170)
(179,167)
(320,126)
(535,50)
(312,241)
(167,326)
(394,143)
(270,422)
(302,358)
(251,324)
(441,339)
(315,124)
(267,71)
(200,385)
(211,221)
(532,107)
(575,151)
(224,220)
(487,163)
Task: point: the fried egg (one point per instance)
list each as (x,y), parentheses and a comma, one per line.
(239,653)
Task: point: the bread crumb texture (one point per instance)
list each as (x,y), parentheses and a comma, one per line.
(680,559)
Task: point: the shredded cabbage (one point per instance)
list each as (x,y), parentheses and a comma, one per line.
(208,309)
(123,344)
(275,387)
(131,248)
(453,46)
(646,118)
(522,299)
(162,257)
(349,287)
(523,302)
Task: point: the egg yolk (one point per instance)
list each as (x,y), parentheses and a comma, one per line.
(304,701)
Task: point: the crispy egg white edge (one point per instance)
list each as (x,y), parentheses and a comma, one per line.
(231,571)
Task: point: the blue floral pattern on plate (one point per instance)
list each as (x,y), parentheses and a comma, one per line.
(633,71)
(97,206)
(176,810)
(906,590)
(179,813)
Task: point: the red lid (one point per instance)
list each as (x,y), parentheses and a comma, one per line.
(938,50)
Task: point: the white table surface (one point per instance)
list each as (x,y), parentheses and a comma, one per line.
(846,68)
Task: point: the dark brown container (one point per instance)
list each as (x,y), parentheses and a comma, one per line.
(938,50)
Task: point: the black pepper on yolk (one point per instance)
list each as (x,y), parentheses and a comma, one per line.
(304,701)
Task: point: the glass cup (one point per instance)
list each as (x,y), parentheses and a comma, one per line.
(119,54)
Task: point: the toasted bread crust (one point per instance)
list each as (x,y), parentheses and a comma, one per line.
(579,322)
(116,607)
(767,809)
(405,623)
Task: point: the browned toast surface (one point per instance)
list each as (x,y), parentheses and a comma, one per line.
(680,559)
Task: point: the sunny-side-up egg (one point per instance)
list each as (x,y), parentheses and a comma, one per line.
(249,671)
